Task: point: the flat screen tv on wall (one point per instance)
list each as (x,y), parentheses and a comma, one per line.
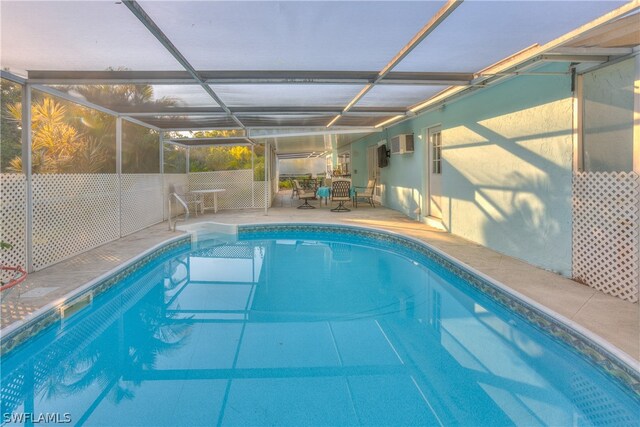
(383,156)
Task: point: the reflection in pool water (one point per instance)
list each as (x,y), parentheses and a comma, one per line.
(289,330)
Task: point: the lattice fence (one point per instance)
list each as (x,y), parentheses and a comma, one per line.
(13,218)
(72,213)
(142,202)
(174,179)
(606,228)
(241,191)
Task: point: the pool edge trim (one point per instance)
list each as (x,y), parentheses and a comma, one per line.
(22,330)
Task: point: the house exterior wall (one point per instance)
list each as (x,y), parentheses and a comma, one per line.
(506,168)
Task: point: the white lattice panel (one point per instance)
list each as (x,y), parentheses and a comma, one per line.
(258,194)
(13,218)
(142,201)
(175,179)
(72,213)
(606,229)
(238,184)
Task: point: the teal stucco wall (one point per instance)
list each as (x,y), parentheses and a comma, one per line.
(506,171)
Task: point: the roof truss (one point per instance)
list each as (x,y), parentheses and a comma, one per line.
(575,46)
(247,77)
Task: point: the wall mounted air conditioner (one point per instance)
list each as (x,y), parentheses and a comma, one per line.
(401,144)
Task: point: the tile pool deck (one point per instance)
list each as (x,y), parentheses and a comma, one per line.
(615,320)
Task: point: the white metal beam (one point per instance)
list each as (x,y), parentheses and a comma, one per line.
(592,51)
(27,170)
(12,77)
(283,134)
(239,77)
(141,123)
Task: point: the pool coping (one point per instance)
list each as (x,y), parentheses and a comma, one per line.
(20,331)
(606,356)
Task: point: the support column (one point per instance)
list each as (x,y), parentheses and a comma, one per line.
(577,122)
(164,186)
(119,169)
(253,177)
(161,139)
(636,127)
(334,152)
(636,113)
(27,170)
(266,174)
(188,149)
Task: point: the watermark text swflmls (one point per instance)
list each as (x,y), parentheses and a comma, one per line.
(36,418)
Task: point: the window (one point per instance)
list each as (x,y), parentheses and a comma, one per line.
(436,154)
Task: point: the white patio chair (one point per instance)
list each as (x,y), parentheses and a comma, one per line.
(195,200)
(304,195)
(365,193)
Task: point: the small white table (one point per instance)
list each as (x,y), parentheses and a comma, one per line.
(215,192)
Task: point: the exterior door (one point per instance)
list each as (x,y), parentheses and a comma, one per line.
(434,165)
(373,171)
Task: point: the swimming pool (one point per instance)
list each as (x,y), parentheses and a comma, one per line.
(311,325)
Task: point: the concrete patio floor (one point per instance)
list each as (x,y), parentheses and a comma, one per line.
(614,320)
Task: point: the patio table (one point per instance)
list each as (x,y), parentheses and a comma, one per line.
(214,191)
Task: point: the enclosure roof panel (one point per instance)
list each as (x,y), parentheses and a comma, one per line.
(124,98)
(190,122)
(77,35)
(480,33)
(295,64)
(325,95)
(397,96)
(297,35)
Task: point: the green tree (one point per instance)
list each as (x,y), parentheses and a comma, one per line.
(10,129)
(57,144)
(69,138)
(140,145)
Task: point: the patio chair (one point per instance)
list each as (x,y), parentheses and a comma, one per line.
(365,193)
(340,193)
(189,199)
(294,190)
(304,195)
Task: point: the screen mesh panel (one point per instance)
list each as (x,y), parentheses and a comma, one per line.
(134,98)
(190,122)
(398,96)
(77,35)
(286,95)
(285,120)
(480,33)
(339,35)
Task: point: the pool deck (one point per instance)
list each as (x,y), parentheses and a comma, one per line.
(614,320)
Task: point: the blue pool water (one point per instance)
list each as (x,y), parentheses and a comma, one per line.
(294,329)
